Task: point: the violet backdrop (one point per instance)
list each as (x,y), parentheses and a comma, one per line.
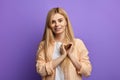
(96,22)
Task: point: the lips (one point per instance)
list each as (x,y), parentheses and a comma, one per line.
(57,28)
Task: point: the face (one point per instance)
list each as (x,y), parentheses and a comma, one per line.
(58,23)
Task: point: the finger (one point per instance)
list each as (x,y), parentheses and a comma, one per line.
(71,49)
(63,48)
(71,43)
(69,46)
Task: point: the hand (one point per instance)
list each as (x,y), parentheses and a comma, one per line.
(69,48)
(62,50)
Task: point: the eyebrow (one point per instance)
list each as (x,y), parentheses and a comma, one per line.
(58,19)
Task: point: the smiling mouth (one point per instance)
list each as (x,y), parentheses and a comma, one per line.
(57,29)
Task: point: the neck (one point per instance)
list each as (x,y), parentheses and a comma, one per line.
(60,37)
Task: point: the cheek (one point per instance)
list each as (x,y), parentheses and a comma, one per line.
(51,26)
(64,25)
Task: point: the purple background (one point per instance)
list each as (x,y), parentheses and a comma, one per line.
(96,22)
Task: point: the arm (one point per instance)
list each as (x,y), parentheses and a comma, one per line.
(75,62)
(82,64)
(46,68)
(40,61)
(57,61)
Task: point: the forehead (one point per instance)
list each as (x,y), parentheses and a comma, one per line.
(57,16)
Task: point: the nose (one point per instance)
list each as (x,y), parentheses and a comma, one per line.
(57,23)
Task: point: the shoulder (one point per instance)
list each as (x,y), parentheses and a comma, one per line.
(78,41)
(41,44)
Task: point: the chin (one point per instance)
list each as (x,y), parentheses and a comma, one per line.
(59,32)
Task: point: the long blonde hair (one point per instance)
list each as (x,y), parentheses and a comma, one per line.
(48,36)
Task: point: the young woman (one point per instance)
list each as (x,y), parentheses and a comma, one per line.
(60,55)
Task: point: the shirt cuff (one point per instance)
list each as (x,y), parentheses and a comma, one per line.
(49,68)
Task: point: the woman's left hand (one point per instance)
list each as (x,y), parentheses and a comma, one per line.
(69,48)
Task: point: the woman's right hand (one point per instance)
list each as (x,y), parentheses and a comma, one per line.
(62,50)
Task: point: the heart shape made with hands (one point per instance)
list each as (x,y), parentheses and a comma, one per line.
(68,46)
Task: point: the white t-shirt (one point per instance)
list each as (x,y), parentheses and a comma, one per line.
(59,74)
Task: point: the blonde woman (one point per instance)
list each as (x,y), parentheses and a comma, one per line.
(60,55)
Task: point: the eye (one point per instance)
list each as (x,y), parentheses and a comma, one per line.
(53,22)
(60,20)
